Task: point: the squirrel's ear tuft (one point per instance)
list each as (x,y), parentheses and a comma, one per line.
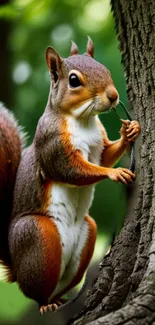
(74,49)
(90,47)
(54,62)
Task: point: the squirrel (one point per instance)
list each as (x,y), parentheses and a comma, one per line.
(47,236)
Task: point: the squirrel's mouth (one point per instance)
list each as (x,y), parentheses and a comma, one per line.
(102,104)
(97,105)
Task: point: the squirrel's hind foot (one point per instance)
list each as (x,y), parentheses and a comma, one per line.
(53,306)
(50,307)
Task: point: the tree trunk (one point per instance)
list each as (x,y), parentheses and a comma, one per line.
(124,292)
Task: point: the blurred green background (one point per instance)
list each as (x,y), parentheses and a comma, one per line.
(27,27)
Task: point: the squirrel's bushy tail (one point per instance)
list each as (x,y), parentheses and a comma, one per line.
(11,143)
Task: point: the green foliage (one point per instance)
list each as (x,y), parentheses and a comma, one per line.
(12,303)
(34,26)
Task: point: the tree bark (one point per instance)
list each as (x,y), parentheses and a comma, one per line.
(124,292)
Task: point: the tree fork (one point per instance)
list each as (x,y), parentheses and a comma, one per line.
(124,292)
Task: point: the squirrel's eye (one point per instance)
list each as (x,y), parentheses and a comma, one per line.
(74,81)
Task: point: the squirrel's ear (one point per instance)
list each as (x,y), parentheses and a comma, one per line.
(90,47)
(54,62)
(74,49)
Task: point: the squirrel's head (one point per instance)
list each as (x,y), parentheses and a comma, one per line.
(81,86)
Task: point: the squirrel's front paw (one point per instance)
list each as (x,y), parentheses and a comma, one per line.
(133,131)
(122,175)
(130,130)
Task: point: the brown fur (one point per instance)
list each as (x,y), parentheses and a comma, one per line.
(35,247)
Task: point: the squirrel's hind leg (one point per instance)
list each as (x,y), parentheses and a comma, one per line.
(35,248)
(84,256)
(86,253)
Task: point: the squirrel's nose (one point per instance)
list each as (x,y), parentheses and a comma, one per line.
(113,97)
(112,94)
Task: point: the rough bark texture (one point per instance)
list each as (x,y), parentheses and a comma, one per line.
(124,292)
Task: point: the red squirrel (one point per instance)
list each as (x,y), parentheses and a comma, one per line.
(46,190)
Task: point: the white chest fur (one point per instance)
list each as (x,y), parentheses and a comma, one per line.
(86,137)
(69,205)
